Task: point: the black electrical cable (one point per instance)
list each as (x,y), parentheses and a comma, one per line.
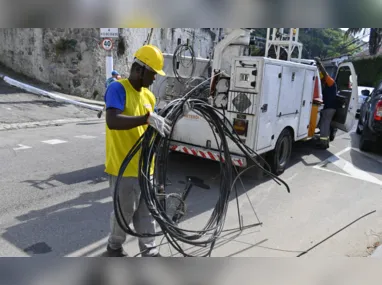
(348,225)
(179,59)
(154,149)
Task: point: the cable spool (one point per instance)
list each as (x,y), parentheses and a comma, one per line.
(155,148)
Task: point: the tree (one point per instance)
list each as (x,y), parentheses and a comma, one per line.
(375,38)
(321,43)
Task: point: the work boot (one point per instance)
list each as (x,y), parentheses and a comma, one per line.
(322,144)
(115,252)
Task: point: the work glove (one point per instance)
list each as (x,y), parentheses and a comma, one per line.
(162,125)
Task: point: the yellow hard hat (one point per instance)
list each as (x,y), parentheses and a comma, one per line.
(152,57)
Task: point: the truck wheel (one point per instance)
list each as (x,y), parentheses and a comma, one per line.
(279,157)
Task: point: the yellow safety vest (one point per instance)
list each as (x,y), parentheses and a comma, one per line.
(120,142)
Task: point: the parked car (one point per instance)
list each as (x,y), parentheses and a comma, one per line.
(363,93)
(370,121)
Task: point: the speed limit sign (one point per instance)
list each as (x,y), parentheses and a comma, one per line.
(107,44)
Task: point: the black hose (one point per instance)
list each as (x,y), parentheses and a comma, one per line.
(155,149)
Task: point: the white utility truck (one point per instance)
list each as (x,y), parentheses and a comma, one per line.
(269,101)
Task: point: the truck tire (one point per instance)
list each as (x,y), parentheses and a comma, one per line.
(279,157)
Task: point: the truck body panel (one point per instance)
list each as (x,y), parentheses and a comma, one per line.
(269,94)
(261,97)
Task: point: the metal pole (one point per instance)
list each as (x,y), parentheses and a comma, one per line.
(267,42)
(109,63)
(290,44)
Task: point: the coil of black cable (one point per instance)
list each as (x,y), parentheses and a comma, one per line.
(152,148)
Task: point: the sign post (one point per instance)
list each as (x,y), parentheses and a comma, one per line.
(107,44)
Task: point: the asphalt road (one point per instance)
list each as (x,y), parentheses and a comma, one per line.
(56,202)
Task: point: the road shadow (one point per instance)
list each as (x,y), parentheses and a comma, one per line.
(94,175)
(63,228)
(367,161)
(6,89)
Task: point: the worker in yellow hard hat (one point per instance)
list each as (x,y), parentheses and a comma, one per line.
(329,96)
(129,110)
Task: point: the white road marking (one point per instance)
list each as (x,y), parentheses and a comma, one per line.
(85,137)
(18,126)
(97,253)
(54,141)
(368,155)
(333,158)
(21,146)
(8,249)
(347,167)
(105,200)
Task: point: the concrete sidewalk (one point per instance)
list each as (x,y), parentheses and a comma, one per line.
(86,103)
(21,109)
(34,87)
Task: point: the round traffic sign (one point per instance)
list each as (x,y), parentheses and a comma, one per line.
(107,44)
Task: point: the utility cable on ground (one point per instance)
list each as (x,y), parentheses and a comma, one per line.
(155,149)
(317,244)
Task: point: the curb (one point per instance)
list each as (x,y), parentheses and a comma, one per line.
(39,91)
(29,125)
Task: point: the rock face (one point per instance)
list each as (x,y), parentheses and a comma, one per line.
(73,61)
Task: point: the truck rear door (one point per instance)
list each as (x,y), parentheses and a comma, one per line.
(347,97)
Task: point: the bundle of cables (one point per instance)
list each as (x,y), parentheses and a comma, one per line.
(154,149)
(180,59)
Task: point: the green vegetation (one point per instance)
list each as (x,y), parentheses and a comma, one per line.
(323,43)
(369,70)
(375,38)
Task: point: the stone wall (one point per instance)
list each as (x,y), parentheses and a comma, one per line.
(72,61)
